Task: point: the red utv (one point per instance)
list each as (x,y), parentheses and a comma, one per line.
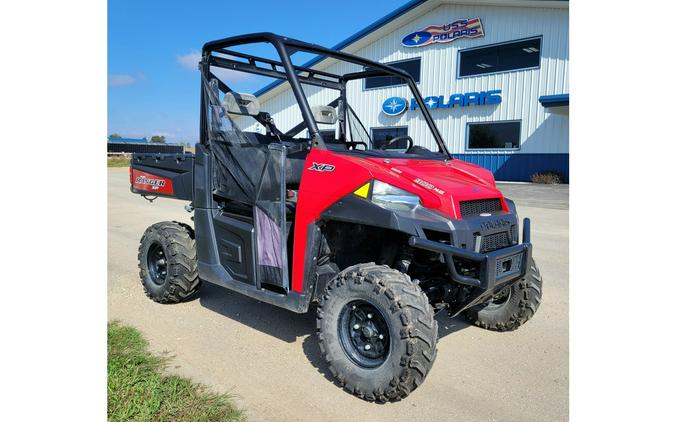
(382,235)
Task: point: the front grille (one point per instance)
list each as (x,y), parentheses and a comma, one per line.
(492,242)
(478,206)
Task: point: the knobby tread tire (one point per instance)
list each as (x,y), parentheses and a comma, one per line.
(178,242)
(413,332)
(524,300)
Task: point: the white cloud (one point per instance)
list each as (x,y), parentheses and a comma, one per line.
(121,80)
(190,61)
(227,75)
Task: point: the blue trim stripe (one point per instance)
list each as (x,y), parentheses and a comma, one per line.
(519,167)
(558,100)
(342,44)
(127,140)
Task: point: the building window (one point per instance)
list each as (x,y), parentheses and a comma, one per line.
(524,54)
(411,66)
(494,135)
(382,135)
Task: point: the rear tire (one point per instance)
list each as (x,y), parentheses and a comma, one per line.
(167,258)
(513,307)
(377,332)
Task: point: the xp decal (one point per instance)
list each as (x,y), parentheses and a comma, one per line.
(462,28)
(321,167)
(393,106)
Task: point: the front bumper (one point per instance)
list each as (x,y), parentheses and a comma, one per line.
(497,269)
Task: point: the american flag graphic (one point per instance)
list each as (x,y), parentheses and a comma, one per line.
(461,28)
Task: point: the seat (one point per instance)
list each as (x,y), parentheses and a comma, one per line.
(241,104)
(295,162)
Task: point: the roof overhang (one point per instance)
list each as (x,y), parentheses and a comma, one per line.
(557,100)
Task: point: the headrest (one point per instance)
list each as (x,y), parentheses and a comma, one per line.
(324,114)
(244,104)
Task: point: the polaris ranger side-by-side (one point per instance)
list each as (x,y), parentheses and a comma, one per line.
(382,234)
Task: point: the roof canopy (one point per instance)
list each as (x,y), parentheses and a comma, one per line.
(557,100)
(127,140)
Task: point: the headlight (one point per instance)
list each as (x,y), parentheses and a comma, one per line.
(401,202)
(393,198)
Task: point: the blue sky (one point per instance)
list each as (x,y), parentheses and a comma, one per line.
(153,48)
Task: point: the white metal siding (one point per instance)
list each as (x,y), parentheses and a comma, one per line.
(542,132)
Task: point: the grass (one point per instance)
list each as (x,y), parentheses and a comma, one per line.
(118,162)
(140,390)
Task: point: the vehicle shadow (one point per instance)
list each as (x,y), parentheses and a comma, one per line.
(310,345)
(277,322)
(288,326)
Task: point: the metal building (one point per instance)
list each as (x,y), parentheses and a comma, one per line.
(494,74)
(131,145)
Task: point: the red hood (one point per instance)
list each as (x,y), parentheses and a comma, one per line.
(439,184)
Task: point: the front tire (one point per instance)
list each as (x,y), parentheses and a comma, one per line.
(167,258)
(512,307)
(377,332)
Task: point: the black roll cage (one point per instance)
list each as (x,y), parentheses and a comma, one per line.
(297,75)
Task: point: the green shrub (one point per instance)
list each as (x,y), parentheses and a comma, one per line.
(547,177)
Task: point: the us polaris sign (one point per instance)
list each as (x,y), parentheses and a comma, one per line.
(462,28)
(394,106)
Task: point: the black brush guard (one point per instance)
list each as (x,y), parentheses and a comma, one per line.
(497,269)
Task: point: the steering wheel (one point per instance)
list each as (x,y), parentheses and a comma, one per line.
(396,139)
(353,144)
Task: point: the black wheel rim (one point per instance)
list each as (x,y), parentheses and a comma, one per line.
(364,334)
(500,299)
(157,265)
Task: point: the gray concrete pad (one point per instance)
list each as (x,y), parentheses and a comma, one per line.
(535,195)
(269,358)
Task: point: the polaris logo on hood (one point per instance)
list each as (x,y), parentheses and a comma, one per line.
(494,224)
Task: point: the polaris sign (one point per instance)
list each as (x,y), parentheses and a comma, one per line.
(462,28)
(393,106)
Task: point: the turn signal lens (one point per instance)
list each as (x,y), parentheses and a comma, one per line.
(363,191)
